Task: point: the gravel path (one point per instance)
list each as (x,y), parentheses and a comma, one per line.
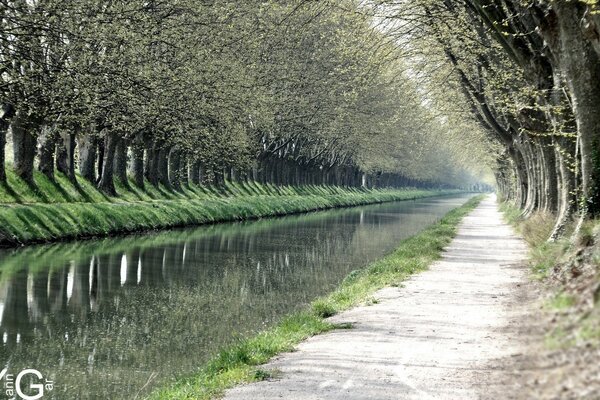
(438,337)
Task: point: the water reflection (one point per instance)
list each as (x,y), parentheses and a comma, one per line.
(106,318)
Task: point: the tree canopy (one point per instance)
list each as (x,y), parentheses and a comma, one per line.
(195,91)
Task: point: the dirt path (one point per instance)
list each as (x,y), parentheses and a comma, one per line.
(438,337)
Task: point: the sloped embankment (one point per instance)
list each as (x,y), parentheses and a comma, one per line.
(59,210)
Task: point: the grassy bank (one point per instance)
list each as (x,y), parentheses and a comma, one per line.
(54,210)
(241,363)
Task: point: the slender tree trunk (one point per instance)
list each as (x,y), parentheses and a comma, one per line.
(551,177)
(101,143)
(3,129)
(530,200)
(106,183)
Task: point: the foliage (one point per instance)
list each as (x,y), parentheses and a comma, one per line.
(269,90)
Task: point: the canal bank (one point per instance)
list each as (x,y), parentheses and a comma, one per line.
(242,363)
(61,210)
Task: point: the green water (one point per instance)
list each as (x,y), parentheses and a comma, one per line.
(114,318)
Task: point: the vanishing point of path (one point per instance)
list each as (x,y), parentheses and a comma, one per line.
(440,336)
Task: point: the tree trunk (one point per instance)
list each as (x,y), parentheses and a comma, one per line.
(194,172)
(106,183)
(6,113)
(174,161)
(163,166)
(581,67)
(24,134)
(151,169)
(65,161)
(183,171)
(520,166)
(47,150)
(566,190)
(137,164)
(551,177)
(120,161)
(3,129)
(100,153)
(87,157)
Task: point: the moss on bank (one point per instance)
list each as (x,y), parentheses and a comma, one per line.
(61,210)
(240,363)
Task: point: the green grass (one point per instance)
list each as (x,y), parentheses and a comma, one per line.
(560,301)
(240,363)
(58,210)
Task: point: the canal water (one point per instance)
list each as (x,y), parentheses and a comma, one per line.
(114,318)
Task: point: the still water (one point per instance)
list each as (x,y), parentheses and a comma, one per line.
(114,318)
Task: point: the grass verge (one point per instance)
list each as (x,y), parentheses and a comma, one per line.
(56,210)
(241,362)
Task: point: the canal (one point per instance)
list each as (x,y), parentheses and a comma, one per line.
(114,318)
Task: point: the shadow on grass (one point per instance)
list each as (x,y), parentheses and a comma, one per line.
(37,191)
(82,192)
(68,198)
(10,191)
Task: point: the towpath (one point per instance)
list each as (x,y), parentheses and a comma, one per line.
(439,336)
